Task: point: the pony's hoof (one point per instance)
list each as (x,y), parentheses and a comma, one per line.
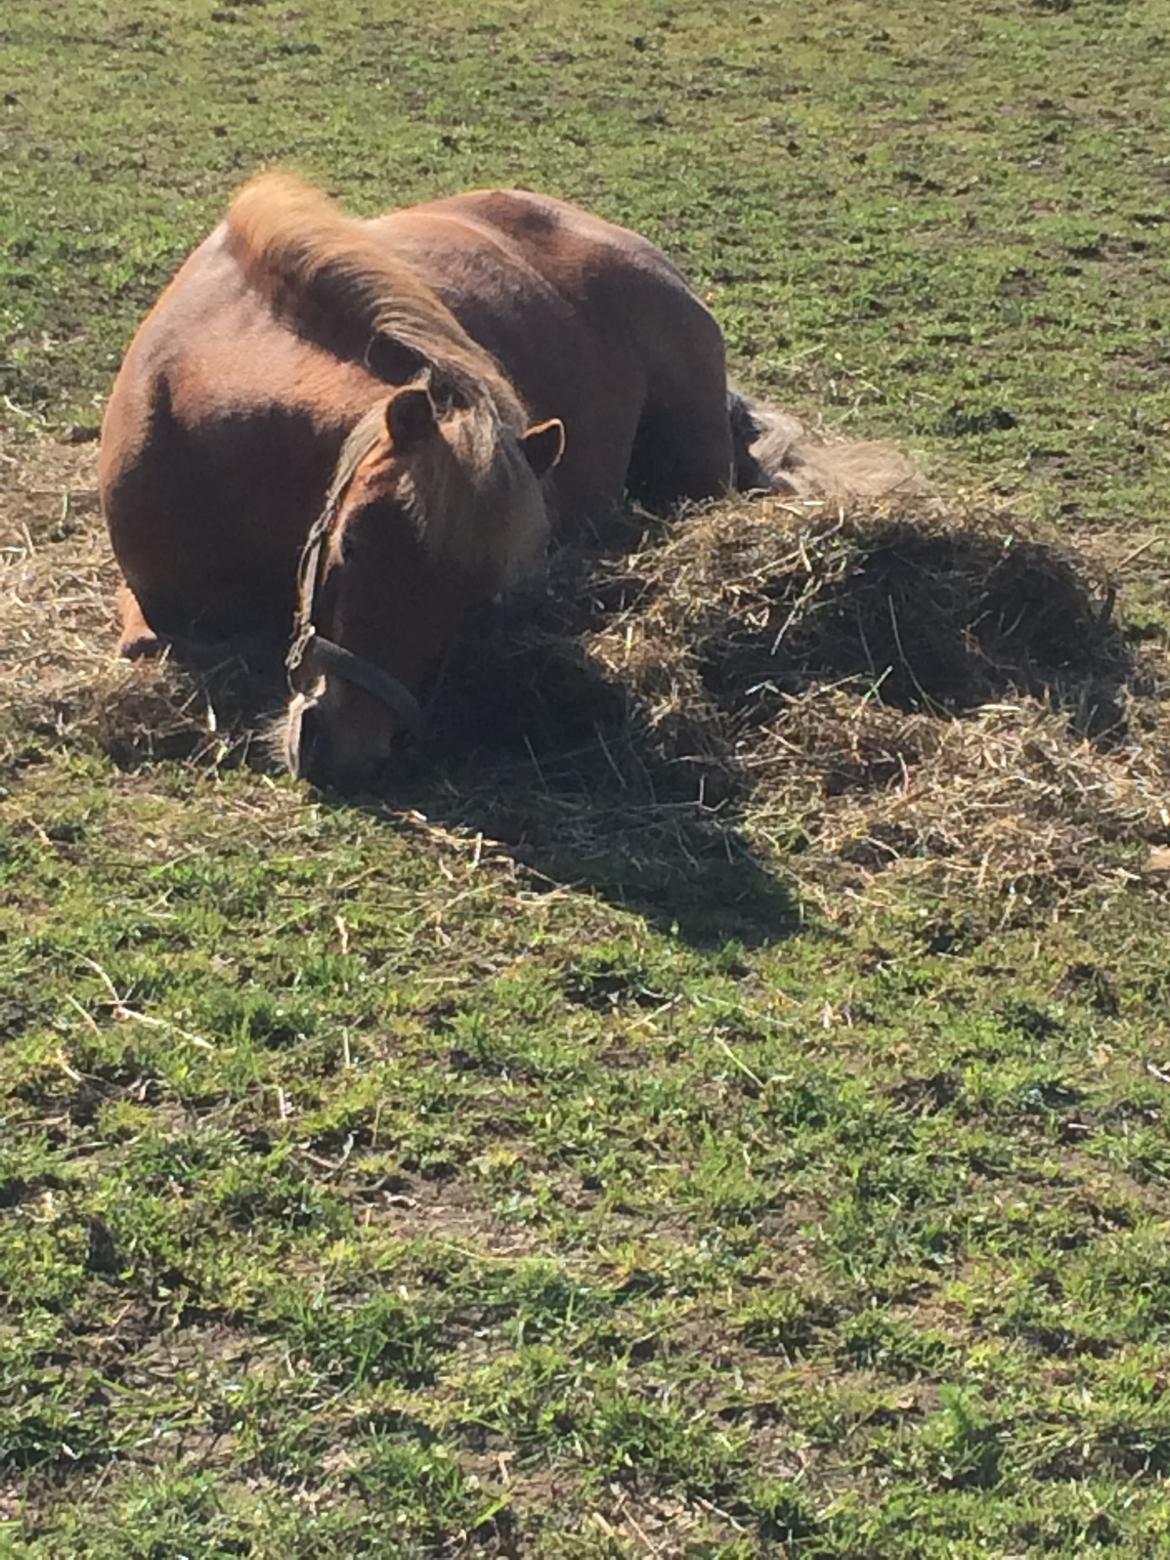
(139,646)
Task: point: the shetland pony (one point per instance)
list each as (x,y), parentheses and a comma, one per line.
(351,433)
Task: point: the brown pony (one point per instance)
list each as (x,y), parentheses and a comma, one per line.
(410,407)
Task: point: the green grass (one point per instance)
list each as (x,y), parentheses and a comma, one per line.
(363,1191)
(848,1240)
(951,231)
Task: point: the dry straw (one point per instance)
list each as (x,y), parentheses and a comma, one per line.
(858,696)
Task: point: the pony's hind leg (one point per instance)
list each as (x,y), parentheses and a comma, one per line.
(683,448)
(682,452)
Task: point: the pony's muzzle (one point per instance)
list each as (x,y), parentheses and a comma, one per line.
(303,734)
(329,748)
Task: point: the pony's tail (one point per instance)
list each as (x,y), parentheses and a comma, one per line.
(774,452)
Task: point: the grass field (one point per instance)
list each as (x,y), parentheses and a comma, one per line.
(716,1103)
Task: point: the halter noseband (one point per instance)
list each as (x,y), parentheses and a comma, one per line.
(330,656)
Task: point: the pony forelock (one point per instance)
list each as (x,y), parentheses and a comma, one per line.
(468,490)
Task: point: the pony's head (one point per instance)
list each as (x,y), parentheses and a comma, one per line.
(433,509)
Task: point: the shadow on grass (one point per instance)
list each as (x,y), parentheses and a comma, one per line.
(614,737)
(544,751)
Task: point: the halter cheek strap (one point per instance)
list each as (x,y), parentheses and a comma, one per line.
(325,653)
(332,657)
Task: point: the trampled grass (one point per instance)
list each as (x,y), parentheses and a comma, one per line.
(716,1102)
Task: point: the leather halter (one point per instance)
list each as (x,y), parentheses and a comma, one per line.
(326,653)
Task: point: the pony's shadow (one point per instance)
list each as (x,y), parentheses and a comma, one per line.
(545,752)
(537,744)
(588,775)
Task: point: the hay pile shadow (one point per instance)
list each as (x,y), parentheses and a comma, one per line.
(936,619)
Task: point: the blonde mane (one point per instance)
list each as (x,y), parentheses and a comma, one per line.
(294,242)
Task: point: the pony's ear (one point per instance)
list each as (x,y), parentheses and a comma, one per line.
(544,444)
(410,418)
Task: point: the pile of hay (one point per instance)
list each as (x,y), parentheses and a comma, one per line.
(851,695)
(854,696)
